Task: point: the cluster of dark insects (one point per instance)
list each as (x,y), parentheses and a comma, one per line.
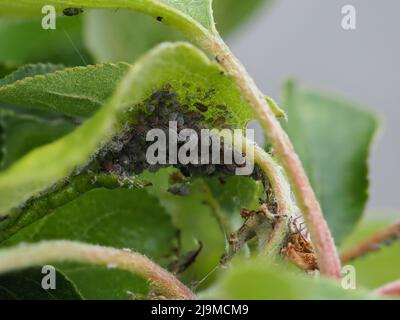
(70,12)
(126,154)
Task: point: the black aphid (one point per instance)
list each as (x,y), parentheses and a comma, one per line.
(219,122)
(160,19)
(201,107)
(187,260)
(181,190)
(221,107)
(70,12)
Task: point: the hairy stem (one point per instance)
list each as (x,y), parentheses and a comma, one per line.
(273,247)
(372,243)
(282,192)
(328,259)
(286,207)
(61,194)
(24,256)
(390,289)
(268,165)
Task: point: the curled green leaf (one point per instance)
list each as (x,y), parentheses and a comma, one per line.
(177,64)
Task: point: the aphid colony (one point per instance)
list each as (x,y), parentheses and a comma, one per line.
(126,154)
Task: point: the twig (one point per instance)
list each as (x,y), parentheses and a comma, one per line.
(372,243)
(390,289)
(282,192)
(24,256)
(257,223)
(328,259)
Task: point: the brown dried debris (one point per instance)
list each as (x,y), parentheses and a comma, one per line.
(299,250)
(257,223)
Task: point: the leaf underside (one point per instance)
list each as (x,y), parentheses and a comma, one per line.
(179,65)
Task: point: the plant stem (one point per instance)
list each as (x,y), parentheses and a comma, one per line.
(24,256)
(273,247)
(328,260)
(282,191)
(390,289)
(60,194)
(372,243)
(286,207)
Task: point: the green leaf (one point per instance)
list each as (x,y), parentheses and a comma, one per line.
(229,14)
(4,70)
(195,219)
(26,285)
(22,133)
(200,11)
(194,18)
(185,68)
(377,268)
(61,194)
(62,45)
(78,91)
(100,283)
(256,281)
(117,218)
(235,193)
(29,70)
(123,35)
(332,138)
(208,214)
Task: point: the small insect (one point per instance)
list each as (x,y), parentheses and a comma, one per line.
(187,260)
(108,166)
(176,177)
(185,171)
(180,190)
(222,107)
(219,122)
(201,107)
(160,19)
(70,12)
(221,180)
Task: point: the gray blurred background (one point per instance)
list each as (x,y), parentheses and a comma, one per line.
(305,40)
